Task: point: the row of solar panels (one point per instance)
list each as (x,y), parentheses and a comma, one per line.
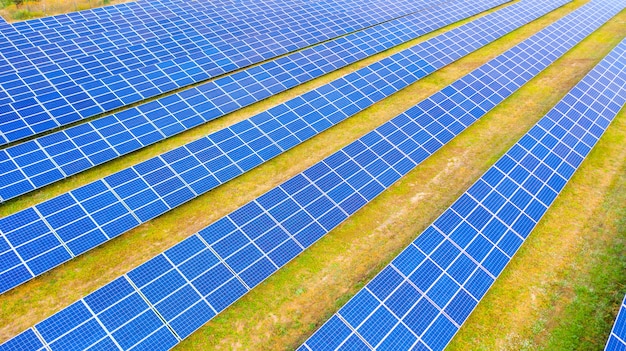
(190,283)
(42,161)
(119,90)
(66,47)
(426,293)
(46,235)
(141,10)
(47,93)
(147,12)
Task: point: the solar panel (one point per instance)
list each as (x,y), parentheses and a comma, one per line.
(617,339)
(194,280)
(47,159)
(105,35)
(223,12)
(43,236)
(81,23)
(124,30)
(421,299)
(44,96)
(86,42)
(251,18)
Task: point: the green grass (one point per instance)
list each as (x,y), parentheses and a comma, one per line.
(598,293)
(571,264)
(281,312)
(584,303)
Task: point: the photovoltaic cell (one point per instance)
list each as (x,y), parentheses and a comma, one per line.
(72,223)
(206,272)
(426,293)
(169,19)
(617,339)
(83,22)
(44,97)
(48,159)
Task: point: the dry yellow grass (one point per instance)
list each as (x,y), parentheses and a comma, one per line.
(42,8)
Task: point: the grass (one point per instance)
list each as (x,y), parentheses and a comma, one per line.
(41,8)
(547,278)
(597,279)
(562,289)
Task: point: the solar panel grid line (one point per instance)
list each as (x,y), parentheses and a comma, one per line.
(56,235)
(313,171)
(40,339)
(221,261)
(119,200)
(156,204)
(165,273)
(42,119)
(147,302)
(278,224)
(620,77)
(617,336)
(188,283)
(381,302)
(108,333)
(13,182)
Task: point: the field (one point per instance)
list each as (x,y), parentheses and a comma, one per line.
(12,12)
(560,292)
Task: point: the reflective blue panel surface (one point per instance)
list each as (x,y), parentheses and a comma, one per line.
(448,268)
(428,291)
(85,217)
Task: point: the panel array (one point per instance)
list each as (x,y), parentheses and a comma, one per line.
(169,18)
(46,96)
(421,299)
(138,10)
(617,339)
(42,161)
(110,41)
(110,23)
(196,279)
(116,317)
(46,235)
(139,15)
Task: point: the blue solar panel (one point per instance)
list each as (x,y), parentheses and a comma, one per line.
(426,293)
(53,157)
(72,223)
(44,95)
(172,18)
(115,315)
(617,339)
(137,15)
(171,13)
(211,269)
